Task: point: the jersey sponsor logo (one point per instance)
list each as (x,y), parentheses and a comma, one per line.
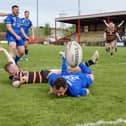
(71,78)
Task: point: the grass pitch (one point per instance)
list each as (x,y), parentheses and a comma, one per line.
(31,105)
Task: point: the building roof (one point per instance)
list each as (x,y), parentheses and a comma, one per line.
(115,16)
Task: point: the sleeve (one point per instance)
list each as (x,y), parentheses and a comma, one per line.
(8,20)
(64,69)
(76,92)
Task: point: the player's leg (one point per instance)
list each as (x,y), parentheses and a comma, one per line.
(20,50)
(112,48)
(12,45)
(93,60)
(26,49)
(12,48)
(85,66)
(107,47)
(116,46)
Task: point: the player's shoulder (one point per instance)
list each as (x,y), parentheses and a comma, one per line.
(30,21)
(9,16)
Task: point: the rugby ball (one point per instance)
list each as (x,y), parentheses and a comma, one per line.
(73,53)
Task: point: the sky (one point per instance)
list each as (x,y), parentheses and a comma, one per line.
(51,9)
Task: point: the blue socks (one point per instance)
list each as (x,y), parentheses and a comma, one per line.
(85,69)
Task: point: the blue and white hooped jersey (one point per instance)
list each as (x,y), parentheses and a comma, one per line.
(26,25)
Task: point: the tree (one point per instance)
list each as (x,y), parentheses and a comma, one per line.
(47,29)
(69,30)
(2,27)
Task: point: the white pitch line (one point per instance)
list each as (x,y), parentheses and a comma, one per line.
(102,122)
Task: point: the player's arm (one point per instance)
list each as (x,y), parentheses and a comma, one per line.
(104,35)
(76,92)
(52,91)
(3,14)
(119,25)
(105,22)
(8,56)
(64,69)
(10,29)
(23,33)
(118,36)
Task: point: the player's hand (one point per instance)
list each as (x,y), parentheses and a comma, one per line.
(18,37)
(104,21)
(26,37)
(122,21)
(50,91)
(2,49)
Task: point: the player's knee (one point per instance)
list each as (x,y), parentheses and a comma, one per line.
(21,53)
(12,47)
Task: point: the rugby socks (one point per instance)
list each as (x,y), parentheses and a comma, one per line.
(26,52)
(84,68)
(111,53)
(89,63)
(17,58)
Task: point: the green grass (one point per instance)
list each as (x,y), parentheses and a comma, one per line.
(31,105)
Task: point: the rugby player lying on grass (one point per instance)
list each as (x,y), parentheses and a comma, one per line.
(73,82)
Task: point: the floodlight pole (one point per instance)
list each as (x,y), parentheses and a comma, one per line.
(37,19)
(55,30)
(78,7)
(78,23)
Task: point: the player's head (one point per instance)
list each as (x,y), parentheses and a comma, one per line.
(15,10)
(60,86)
(26,14)
(11,68)
(111,25)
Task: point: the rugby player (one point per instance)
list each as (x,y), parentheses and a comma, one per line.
(74,82)
(27,24)
(110,36)
(14,33)
(116,28)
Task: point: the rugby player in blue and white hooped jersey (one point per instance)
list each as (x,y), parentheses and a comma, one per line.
(71,83)
(27,24)
(14,33)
